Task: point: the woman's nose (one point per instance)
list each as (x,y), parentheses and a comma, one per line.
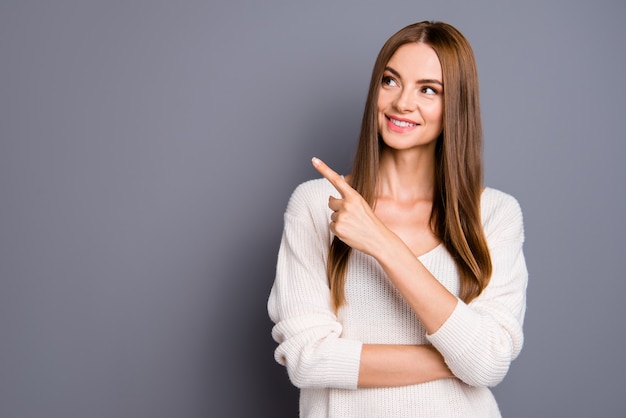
(406,102)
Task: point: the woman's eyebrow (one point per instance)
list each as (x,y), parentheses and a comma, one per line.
(392,71)
(421,81)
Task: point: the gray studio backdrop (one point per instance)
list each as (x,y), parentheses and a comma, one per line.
(148,149)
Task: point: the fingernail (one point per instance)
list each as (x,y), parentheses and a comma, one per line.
(316,161)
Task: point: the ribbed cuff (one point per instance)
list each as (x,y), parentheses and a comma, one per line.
(454,337)
(342,371)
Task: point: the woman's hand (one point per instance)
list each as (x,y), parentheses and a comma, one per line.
(353,220)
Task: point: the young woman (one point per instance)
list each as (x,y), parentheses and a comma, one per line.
(401,288)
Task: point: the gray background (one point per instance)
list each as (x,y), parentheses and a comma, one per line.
(148,149)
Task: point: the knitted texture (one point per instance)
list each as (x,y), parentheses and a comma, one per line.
(321,350)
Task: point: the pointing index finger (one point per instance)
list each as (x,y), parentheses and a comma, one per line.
(335,179)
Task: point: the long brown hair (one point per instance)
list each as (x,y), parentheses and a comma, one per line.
(455,216)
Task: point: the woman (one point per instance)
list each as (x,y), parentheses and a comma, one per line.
(403,293)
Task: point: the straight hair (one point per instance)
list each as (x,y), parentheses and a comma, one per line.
(455,216)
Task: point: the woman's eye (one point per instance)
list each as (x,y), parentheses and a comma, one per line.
(389,81)
(428,90)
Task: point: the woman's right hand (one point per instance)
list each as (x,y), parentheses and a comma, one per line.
(353,220)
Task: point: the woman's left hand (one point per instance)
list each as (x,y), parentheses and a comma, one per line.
(353,220)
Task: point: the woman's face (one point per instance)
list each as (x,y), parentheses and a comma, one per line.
(410,99)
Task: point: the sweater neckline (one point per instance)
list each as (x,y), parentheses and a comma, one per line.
(431,252)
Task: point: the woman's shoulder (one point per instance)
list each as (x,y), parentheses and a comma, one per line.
(501,214)
(495,198)
(313,186)
(311,196)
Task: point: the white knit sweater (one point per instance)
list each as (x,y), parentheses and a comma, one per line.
(321,350)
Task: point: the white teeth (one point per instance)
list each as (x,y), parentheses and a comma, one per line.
(402,124)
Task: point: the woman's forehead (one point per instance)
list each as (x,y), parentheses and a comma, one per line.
(417,61)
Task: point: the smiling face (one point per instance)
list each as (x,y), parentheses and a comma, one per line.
(410,98)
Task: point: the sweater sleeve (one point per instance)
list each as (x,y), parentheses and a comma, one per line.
(480,339)
(306,329)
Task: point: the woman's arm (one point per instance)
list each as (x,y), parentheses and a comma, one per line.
(355,223)
(478,341)
(386,365)
(309,335)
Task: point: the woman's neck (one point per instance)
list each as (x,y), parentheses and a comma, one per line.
(407,175)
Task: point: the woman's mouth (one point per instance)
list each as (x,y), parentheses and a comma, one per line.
(400,125)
